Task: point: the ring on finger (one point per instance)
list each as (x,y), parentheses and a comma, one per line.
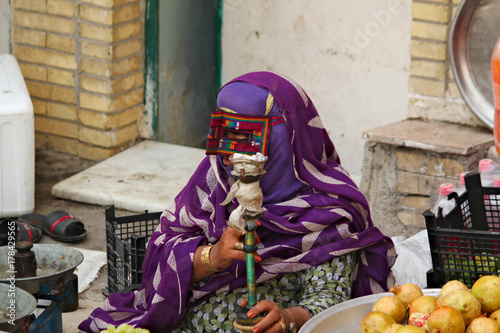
(239,246)
(283,326)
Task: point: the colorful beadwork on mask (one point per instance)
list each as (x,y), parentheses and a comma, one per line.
(234,133)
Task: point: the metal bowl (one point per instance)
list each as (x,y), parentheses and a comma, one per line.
(24,304)
(55,267)
(346,317)
(473,35)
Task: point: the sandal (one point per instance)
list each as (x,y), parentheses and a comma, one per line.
(19,231)
(59,225)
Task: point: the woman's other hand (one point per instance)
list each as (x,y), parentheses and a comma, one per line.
(275,320)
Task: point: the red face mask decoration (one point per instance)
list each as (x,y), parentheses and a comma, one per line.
(234,133)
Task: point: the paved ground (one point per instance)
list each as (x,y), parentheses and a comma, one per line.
(50,168)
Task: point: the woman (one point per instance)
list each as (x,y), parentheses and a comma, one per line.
(318,245)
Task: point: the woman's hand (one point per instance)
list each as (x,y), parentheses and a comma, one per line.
(222,254)
(274,322)
(224,251)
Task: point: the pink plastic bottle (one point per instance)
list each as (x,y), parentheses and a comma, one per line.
(487,171)
(443,202)
(461,189)
(496,182)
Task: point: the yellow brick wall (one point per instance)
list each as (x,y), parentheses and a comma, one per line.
(428,47)
(82,61)
(434,94)
(402,182)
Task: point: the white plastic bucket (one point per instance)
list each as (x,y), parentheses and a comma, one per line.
(17,139)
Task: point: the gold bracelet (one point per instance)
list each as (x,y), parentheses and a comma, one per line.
(292,327)
(205,260)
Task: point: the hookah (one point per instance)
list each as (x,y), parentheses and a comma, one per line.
(248,170)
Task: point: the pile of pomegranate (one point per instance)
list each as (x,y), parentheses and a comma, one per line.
(457,309)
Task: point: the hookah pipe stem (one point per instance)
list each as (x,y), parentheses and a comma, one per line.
(250,249)
(243,323)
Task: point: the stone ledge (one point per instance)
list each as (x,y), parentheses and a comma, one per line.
(405,162)
(440,137)
(147,176)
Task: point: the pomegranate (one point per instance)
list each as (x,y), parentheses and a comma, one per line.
(406,292)
(487,291)
(496,316)
(483,325)
(418,319)
(392,328)
(375,322)
(450,286)
(465,302)
(446,319)
(410,329)
(392,306)
(423,304)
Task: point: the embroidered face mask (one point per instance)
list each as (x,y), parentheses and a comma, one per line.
(234,133)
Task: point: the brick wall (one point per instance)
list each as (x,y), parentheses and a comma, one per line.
(434,94)
(402,168)
(418,176)
(82,61)
(404,163)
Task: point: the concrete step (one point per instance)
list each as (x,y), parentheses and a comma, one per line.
(146,176)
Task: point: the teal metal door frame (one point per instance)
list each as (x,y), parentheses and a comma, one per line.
(151,64)
(151,51)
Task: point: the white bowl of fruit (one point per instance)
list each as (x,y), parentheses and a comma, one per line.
(409,309)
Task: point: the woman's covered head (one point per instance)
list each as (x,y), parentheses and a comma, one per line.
(300,151)
(242,98)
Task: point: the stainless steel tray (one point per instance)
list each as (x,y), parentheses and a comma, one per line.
(473,35)
(346,317)
(55,267)
(24,303)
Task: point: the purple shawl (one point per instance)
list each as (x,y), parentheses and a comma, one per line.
(311,218)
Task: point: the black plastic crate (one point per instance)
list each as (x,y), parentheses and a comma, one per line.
(465,244)
(126,239)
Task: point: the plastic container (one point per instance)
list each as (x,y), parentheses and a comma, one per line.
(126,240)
(461,188)
(496,182)
(17,140)
(489,170)
(465,244)
(495,76)
(443,201)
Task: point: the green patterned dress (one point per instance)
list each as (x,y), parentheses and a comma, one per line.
(315,290)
